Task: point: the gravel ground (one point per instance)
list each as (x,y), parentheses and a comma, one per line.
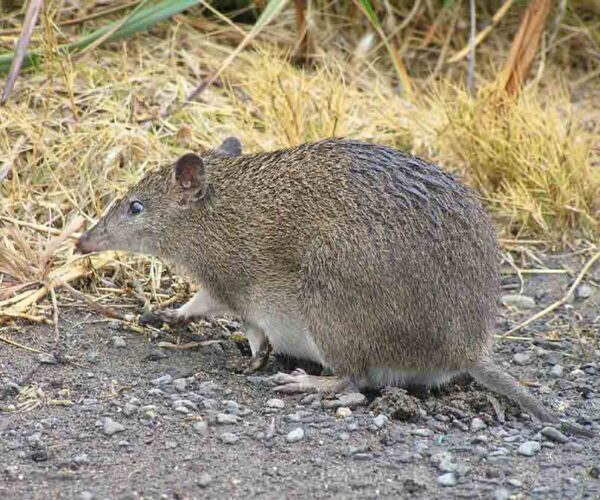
(112,415)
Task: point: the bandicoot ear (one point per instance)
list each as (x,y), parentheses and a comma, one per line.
(230,147)
(190,176)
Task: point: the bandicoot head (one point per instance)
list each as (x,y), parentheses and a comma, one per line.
(139,221)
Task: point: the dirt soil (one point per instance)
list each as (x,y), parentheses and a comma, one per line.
(111,414)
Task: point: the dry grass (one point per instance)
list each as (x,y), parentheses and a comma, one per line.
(77,133)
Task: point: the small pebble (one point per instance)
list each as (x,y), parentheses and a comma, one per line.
(573,446)
(47,359)
(518,301)
(295,435)
(87,495)
(129,409)
(477,425)
(170,445)
(380,421)
(584,291)
(233,407)
(162,380)
(229,438)
(225,419)
(110,427)
(119,342)
(515,482)
(522,358)
(201,428)
(529,448)
(422,432)
(204,480)
(276,404)
(448,479)
(554,435)
(81,459)
(501,494)
(556,371)
(180,384)
(343,412)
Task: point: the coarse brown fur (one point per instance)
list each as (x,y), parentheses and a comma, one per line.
(388,262)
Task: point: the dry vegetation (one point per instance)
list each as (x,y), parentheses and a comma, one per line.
(77,130)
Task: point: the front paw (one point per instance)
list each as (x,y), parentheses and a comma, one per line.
(159,318)
(256,364)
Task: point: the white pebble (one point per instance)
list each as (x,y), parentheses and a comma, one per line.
(448,479)
(229,438)
(343,412)
(380,421)
(276,403)
(201,428)
(111,427)
(295,435)
(529,448)
(477,425)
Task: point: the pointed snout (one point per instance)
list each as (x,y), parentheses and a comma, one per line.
(84,244)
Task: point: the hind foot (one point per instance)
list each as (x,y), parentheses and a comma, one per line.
(300,381)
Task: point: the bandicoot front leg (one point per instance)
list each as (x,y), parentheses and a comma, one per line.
(200,305)
(260,348)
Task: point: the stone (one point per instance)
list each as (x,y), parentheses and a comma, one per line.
(129,409)
(422,432)
(180,384)
(448,479)
(275,403)
(119,342)
(352,399)
(81,459)
(501,494)
(200,428)
(529,448)
(229,438)
(380,421)
(584,291)
(554,435)
(295,435)
(343,412)
(556,371)
(522,358)
(110,427)
(477,425)
(47,359)
(204,480)
(226,419)
(162,380)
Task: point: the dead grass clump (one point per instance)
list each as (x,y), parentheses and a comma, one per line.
(77,133)
(530,158)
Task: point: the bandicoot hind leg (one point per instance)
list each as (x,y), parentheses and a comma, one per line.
(300,381)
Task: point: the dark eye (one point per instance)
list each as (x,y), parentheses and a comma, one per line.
(136,207)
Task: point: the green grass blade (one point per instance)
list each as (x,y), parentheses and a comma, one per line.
(138,20)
